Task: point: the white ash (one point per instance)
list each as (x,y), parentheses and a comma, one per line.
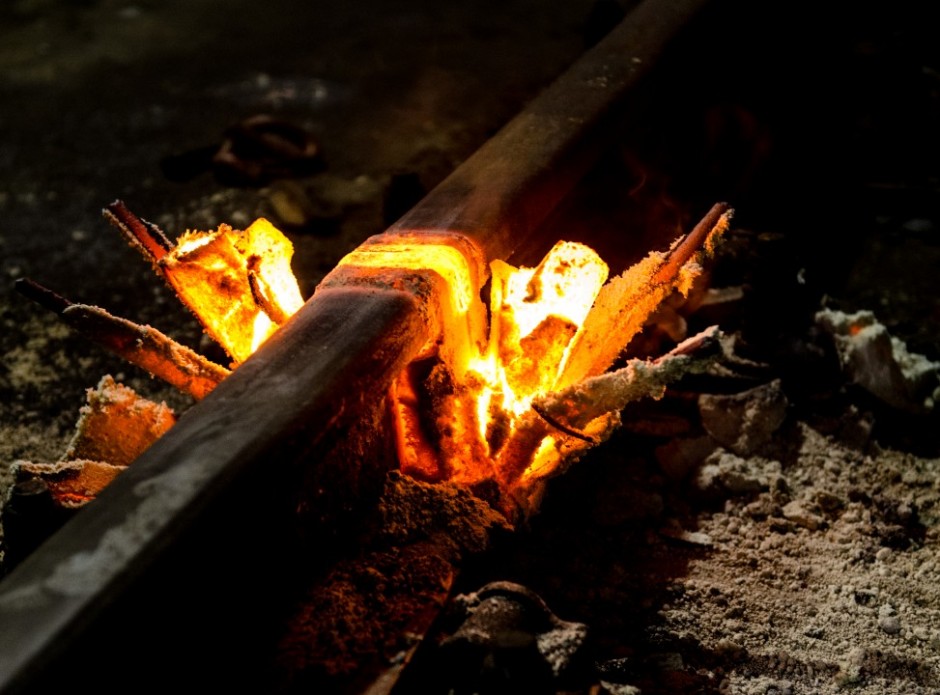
(811,599)
(725,472)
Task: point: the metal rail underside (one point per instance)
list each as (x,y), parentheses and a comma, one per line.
(165,545)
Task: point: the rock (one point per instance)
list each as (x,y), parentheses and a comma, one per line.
(888,620)
(814,631)
(744,421)
(828,502)
(796,512)
(761,508)
(881,364)
(890,624)
(510,639)
(724,473)
(852,668)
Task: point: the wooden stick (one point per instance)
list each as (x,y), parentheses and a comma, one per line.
(43,296)
(264,300)
(143,346)
(145,236)
(691,243)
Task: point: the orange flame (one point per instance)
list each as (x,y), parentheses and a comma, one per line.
(535,315)
(239,284)
(466,410)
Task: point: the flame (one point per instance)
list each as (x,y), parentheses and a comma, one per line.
(239,284)
(514,416)
(482,400)
(535,315)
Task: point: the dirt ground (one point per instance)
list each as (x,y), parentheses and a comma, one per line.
(807,563)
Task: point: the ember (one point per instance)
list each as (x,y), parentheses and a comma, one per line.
(516,415)
(239,284)
(506,406)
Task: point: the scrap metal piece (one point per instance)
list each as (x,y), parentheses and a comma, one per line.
(510,637)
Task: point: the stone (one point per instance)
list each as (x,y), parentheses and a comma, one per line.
(743,422)
(796,512)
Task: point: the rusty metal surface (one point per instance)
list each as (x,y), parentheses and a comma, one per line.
(505,190)
(335,353)
(328,362)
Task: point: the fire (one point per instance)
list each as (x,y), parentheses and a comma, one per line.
(535,313)
(505,397)
(498,400)
(520,405)
(239,284)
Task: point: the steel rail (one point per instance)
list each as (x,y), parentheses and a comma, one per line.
(331,361)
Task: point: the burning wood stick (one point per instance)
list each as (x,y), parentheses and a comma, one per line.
(534,399)
(238,283)
(145,236)
(624,304)
(572,408)
(583,412)
(143,346)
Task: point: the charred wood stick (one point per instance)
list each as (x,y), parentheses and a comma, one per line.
(264,299)
(691,243)
(143,346)
(145,236)
(624,303)
(43,296)
(575,406)
(304,385)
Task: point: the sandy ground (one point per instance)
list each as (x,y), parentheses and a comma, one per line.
(808,565)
